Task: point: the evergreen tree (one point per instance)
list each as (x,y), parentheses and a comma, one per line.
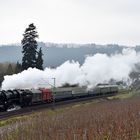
(39,61)
(1,77)
(9,70)
(18,67)
(29,45)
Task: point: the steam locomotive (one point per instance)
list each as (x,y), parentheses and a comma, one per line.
(28,97)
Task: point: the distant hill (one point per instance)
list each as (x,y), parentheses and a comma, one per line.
(56,54)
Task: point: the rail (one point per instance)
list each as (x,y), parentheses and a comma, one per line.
(34,108)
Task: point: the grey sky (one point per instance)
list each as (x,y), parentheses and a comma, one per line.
(72,21)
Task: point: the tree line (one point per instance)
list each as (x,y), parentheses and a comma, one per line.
(9,69)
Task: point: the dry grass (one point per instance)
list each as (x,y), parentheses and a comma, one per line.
(112,120)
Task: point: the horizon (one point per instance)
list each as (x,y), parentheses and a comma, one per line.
(64,43)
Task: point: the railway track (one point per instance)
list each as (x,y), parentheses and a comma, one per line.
(35,108)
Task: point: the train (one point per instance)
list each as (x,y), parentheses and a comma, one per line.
(28,97)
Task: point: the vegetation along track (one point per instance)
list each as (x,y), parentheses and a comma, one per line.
(34,108)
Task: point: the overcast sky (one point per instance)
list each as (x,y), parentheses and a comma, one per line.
(72,21)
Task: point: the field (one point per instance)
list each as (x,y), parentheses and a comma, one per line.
(105,120)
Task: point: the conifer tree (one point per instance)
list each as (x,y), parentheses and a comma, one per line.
(39,61)
(9,70)
(18,68)
(29,45)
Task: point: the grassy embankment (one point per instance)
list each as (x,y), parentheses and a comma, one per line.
(97,119)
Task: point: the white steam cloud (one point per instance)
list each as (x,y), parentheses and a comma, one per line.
(96,69)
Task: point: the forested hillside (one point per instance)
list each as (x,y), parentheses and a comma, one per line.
(56,54)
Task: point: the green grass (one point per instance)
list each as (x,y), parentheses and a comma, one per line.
(126,94)
(15,119)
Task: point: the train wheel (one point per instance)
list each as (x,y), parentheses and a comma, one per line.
(49,100)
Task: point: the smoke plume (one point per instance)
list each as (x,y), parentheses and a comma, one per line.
(98,68)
